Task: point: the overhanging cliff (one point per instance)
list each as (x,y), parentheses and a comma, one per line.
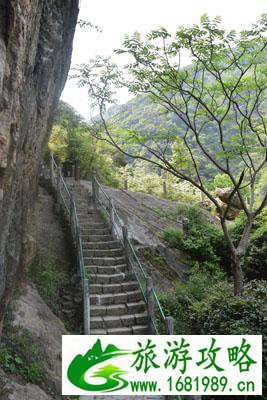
(35,52)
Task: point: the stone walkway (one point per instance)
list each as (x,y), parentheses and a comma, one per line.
(117,306)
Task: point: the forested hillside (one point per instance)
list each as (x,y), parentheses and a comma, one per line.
(196,135)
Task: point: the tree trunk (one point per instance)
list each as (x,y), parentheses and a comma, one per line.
(237,273)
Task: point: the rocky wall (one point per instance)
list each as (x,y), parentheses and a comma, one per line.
(35,53)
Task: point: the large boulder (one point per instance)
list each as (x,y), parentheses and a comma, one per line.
(224,195)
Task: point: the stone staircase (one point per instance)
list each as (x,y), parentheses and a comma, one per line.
(117,306)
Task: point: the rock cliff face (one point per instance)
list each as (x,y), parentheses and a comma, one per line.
(35,51)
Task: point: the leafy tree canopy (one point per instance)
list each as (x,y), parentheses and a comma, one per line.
(223,90)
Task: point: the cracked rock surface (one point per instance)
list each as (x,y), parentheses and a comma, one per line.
(35,53)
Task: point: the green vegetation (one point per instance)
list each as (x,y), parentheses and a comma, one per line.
(195,129)
(21,356)
(158,262)
(54,286)
(255,261)
(222,313)
(207,306)
(205,244)
(219,101)
(71,139)
(144,177)
(173,236)
(49,280)
(203,241)
(20,353)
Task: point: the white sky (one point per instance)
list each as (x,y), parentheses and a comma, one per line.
(118,17)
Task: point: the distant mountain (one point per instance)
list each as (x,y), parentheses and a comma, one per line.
(143,115)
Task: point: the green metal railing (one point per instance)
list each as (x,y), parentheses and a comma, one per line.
(66,200)
(158,322)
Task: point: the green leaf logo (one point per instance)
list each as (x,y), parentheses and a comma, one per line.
(112,374)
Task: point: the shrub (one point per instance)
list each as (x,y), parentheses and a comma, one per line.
(177,302)
(254,262)
(173,236)
(208,306)
(49,281)
(204,241)
(19,354)
(220,312)
(222,181)
(194,213)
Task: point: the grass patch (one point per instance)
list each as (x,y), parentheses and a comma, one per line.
(20,353)
(54,285)
(159,263)
(173,236)
(204,241)
(49,280)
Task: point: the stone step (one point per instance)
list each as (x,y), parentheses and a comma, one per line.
(96,238)
(116,298)
(110,278)
(87,228)
(135,330)
(81,205)
(100,269)
(103,253)
(92,218)
(116,321)
(113,244)
(77,191)
(138,330)
(118,309)
(97,225)
(104,261)
(95,212)
(117,305)
(114,288)
(78,199)
(136,307)
(82,210)
(100,311)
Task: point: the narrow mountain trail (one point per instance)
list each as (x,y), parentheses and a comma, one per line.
(117,307)
(146,217)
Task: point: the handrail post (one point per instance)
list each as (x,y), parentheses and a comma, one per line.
(185,224)
(95,189)
(52,168)
(125,243)
(77,171)
(164,185)
(58,191)
(73,171)
(169,325)
(86,307)
(78,248)
(150,304)
(58,185)
(71,216)
(111,214)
